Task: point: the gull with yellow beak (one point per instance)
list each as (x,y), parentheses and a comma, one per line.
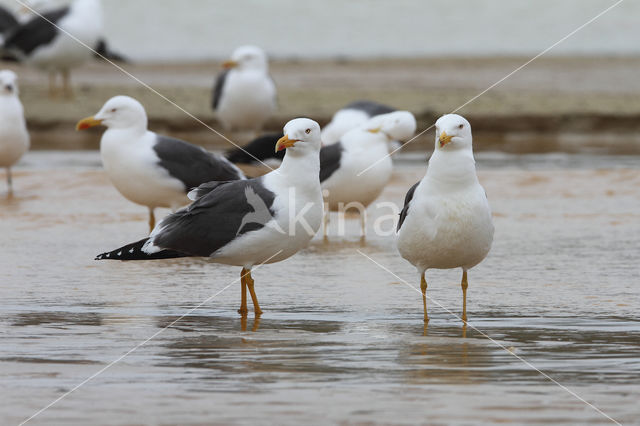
(355,170)
(244,95)
(446,220)
(151,169)
(248,222)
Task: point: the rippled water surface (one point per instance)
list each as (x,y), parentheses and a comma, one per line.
(341,339)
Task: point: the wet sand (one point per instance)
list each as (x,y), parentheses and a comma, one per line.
(341,341)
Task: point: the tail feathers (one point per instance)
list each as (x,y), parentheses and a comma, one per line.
(134,251)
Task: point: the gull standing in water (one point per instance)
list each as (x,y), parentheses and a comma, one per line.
(151,169)
(248,222)
(446,220)
(14,138)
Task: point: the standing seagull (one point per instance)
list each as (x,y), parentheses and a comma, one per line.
(14,138)
(249,222)
(355,170)
(446,220)
(151,169)
(350,117)
(244,95)
(44,41)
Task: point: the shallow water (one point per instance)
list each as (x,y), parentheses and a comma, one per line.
(341,340)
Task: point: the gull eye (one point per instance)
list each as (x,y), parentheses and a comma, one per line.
(113,109)
(307,131)
(461,126)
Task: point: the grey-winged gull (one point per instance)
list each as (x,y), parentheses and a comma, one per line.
(446,220)
(151,169)
(249,222)
(355,170)
(43,42)
(244,95)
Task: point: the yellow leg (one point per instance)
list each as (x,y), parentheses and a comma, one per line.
(52,84)
(256,306)
(243,298)
(363,224)
(325,224)
(152,219)
(423,287)
(464,285)
(66,84)
(9,183)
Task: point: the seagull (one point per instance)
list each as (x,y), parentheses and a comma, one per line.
(44,41)
(151,169)
(244,95)
(446,220)
(355,170)
(283,221)
(14,138)
(350,117)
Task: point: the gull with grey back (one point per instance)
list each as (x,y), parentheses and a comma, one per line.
(151,169)
(249,222)
(446,221)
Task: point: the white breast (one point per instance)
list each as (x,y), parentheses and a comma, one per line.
(14,138)
(248,100)
(446,230)
(132,166)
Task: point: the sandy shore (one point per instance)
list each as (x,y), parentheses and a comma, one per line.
(554,104)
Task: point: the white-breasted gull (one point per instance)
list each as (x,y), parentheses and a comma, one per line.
(14,137)
(355,170)
(249,222)
(244,94)
(446,221)
(151,169)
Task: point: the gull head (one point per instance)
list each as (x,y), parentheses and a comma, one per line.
(453,132)
(301,135)
(8,83)
(119,112)
(396,126)
(248,58)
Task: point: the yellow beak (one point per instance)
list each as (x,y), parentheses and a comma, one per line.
(88,122)
(376,130)
(444,139)
(285,142)
(229,64)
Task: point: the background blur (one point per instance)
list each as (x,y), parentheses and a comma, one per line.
(196,30)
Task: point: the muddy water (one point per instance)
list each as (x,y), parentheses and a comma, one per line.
(341,340)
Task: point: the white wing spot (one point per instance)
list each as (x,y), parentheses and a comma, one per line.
(119,253)
(131,251)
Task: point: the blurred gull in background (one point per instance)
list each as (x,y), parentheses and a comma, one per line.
(358,167)
(244,95)
(43,42)
(14,138)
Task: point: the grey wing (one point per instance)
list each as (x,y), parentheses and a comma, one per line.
(191,164)
(407,202)
(7,20)
(370,108)
(214,219)
(218,87)
(330,157)
(39,31)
